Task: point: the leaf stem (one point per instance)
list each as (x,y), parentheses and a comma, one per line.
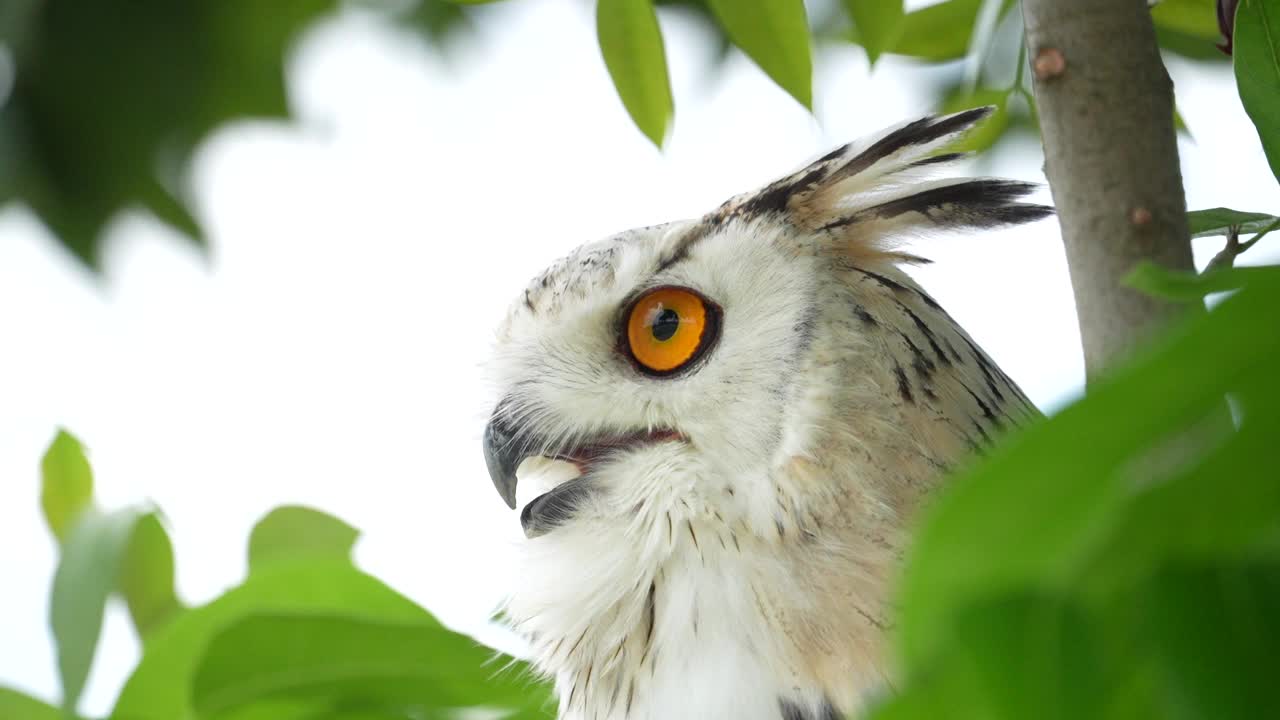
(1021,72)
(1234,248)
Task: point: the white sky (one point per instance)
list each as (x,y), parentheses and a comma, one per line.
(328,352)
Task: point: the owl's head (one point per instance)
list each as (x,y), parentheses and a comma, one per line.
(680,364)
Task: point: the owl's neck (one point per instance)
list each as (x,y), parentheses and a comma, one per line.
(704,617)
(705,643)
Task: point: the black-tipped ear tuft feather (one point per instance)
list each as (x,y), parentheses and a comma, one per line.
(870,198)
(972,203)
(924,136)
(911,145)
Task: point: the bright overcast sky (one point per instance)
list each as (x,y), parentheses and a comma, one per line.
(329,350)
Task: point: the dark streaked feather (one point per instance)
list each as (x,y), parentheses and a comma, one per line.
(921,132)
(975,203)
(793,711)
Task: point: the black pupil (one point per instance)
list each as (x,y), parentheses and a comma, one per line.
(666,324)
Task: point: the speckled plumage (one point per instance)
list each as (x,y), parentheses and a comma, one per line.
(739,566)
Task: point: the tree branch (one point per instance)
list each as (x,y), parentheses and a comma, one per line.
(1111,156)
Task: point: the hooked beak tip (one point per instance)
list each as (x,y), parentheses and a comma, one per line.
(502,458)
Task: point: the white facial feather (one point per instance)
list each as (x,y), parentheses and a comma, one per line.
(727,549)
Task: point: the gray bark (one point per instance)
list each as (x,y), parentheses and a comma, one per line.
(1106,117)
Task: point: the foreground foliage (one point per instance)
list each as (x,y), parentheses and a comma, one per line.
(1121,559)
(306,635)
(82,139)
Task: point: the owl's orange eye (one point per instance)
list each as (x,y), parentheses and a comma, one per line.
(667,328)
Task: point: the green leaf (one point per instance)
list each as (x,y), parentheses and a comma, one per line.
(85,576)
(438,20)
(17,706)
(989,131)
(938,32)
(319,709)
(631,43)
(1194,47)
(292,532)
(1180,286)
(84,139)
(1197,18)
(1216,630)
(990,12)
(1217,221)
(877,23)
(1225,507)
(67,486)
(1257,65)
(1033,512)
(775,34)
(146,576)
(343,660)
(1025,655)
(1180,125)
(159,688)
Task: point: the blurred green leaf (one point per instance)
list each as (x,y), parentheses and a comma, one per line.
(877,24)
(985,23)
(1025,655)
(86,575)
(159,688)
(1257,65)
(16,18)
(1217,630)
(128,551)
(438,20)
(1179,124)
(146,576)
(319,709)
(84,138)
(1197,18)
(989,131)
(938,32)
(1189,46)
(775,34)
(1181,286)
(1091,621)
(1218,221)
(293,709)
(1222,509)
(17,706)
(293,532)
(345,660)
(67,483)
(631,43)
(1075,495)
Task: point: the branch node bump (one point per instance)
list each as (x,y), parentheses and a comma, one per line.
(1049,63)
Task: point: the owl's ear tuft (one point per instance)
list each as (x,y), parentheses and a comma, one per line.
(872,197)
(872,200)
(911,145)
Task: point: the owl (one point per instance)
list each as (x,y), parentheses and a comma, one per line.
(743,411)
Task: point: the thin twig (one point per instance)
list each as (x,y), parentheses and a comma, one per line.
(1227,256)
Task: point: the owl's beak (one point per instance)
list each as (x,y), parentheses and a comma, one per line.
(502,455)
(507,445)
